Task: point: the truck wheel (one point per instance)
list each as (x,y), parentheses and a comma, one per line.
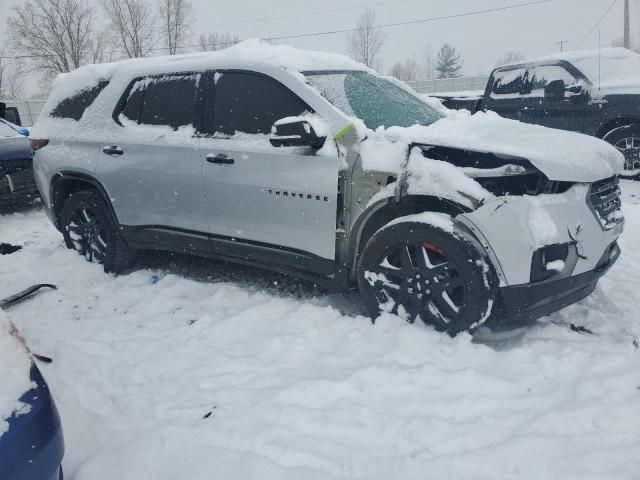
(420,271)
(627,140)
(88,226)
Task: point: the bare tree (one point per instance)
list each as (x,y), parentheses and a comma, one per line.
(103,47)
(133,24)
(13,82)
(365,43)
(407,71)
(510,56)
(428,63)
(397,70)
(175,16)
(54,34)
(216,41)
(5,64)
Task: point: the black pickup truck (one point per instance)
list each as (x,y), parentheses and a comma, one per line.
(592,92)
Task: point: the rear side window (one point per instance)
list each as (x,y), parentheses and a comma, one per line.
(75,106)
(508,82)
(248,103)
(168,100)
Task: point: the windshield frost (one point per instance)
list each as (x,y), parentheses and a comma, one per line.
(376,101)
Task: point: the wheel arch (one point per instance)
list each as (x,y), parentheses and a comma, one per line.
(384,211)
(64,184)
(616,123)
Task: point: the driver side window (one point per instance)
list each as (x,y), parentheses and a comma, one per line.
(539,78)
(244,102)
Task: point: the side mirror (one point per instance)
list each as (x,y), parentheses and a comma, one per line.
(555,90)
(295,132)
(24,131)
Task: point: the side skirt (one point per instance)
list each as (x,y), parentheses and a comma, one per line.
(290,262)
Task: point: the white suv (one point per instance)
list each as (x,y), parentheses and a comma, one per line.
(310,164)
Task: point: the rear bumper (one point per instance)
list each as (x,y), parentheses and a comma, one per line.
(526,303)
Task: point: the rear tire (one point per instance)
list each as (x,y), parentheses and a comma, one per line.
(627,140)
(89,227)
(420,271)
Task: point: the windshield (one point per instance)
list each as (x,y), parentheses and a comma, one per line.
(376,101)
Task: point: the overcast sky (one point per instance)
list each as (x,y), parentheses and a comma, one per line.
(481,39)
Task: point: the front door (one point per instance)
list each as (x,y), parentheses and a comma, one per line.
(256,194)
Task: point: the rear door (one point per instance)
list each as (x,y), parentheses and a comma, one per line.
(256,193)
(149,165)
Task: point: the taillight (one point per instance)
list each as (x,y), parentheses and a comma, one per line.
(38,144)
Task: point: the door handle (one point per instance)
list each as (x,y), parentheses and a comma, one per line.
(220,158)
(112,150)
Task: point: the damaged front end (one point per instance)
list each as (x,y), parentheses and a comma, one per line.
(549,241)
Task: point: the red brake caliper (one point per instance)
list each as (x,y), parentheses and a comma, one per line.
(434,248)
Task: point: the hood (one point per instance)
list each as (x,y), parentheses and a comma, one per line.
(560,155)
(14,148)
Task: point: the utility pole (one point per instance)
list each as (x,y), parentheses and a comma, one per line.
(627,32)
(561,43)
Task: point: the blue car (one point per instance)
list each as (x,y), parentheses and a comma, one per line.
(17,185)
(33,446)
(21,130)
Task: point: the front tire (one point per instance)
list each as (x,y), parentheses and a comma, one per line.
(89,227)
(627,140)
(420,271)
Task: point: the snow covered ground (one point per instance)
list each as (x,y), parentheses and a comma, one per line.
(220,371)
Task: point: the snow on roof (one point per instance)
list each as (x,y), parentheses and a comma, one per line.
(609,68)
(15,365)
(248,53)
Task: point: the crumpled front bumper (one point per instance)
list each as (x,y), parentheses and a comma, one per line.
(511,229)
(525,303)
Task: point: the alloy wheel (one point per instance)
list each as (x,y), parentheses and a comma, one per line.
(418,280)
(88,234)
(630,148)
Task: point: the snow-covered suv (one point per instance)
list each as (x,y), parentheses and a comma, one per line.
(310,164)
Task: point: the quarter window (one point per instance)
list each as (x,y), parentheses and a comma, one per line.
(508,82)
(74,107)
(248,103)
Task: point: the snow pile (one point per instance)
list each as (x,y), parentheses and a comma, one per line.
(298,384)
(15,366)
(560,155)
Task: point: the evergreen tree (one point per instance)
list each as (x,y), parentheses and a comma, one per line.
(448,62)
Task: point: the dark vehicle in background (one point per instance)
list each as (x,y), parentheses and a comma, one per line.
(10,114)
(592,92)
(17,185)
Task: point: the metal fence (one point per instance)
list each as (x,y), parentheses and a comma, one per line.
(449,84)
(28,110)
